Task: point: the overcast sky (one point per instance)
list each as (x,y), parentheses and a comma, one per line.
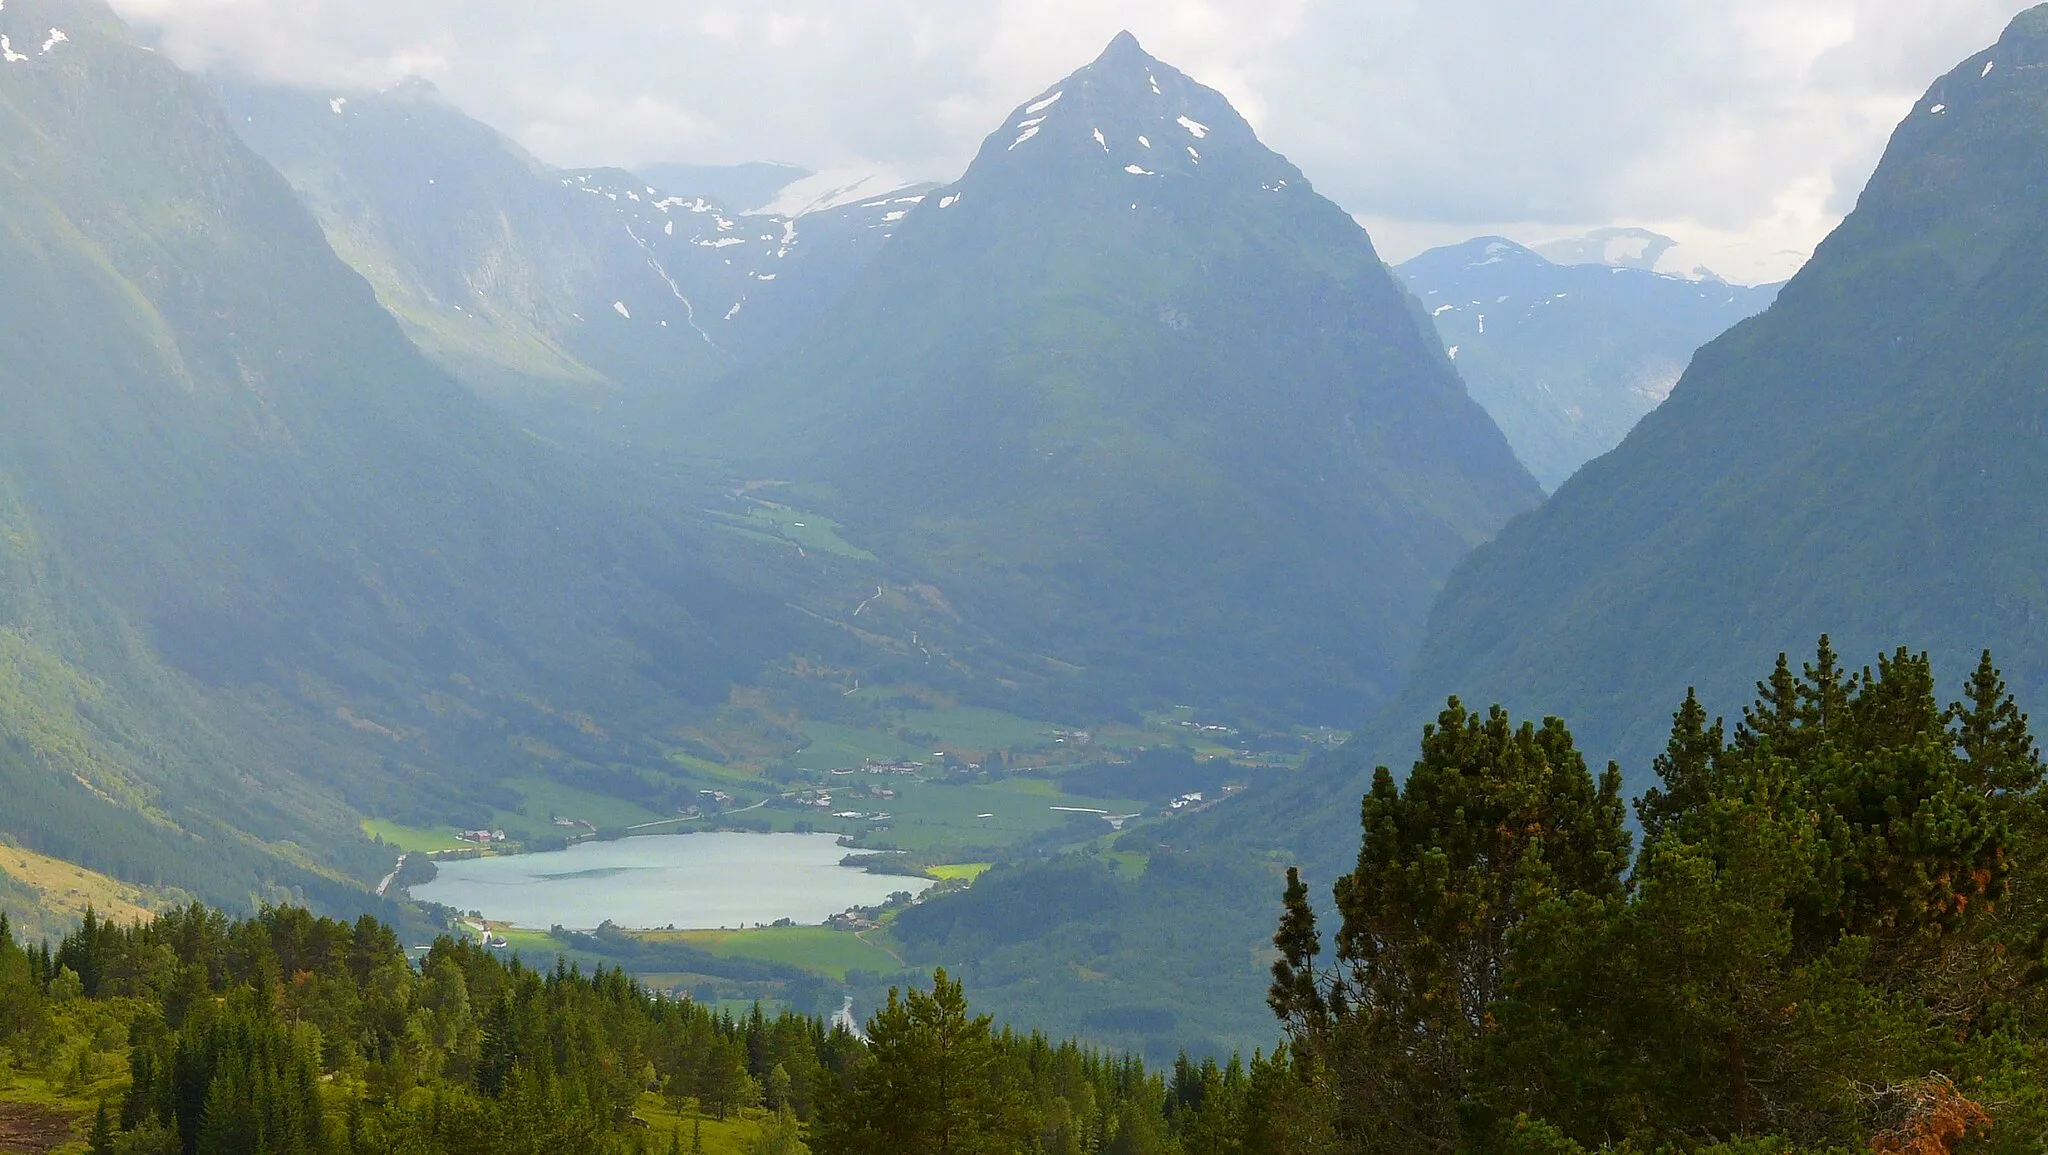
(1743,128)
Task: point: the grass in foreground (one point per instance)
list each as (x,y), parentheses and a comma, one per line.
(733,1136)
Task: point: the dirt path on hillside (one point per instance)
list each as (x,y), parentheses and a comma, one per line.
(883,947)
(30,1130)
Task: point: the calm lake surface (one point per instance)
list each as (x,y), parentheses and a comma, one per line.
(693,881)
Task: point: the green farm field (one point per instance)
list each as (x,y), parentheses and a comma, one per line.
(980,728)
(836,747)
(930,817)
(543,799)
(814,948)
(412,838)
(794,528)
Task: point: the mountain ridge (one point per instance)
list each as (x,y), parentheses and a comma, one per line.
(1567,358)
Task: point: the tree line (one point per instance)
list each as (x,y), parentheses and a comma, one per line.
(1830,936)
(291,1034)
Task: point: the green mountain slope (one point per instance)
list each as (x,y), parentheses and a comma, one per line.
(1869,459)
(1137,398)
(1567,358)
(263,567)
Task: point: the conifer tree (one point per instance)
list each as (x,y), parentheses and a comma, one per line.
(1686,768)
(1996,743)
(100,1140)
(933,1081)
(1493,821)
(1774,718)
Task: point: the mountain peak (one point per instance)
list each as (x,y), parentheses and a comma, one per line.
(1124,49)
(1127,130)
(2029,27)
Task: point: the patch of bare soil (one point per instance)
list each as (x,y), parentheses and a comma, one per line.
(30,1130)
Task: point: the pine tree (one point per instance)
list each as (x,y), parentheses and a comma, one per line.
(1996,743)
(1774,718)
(1823,694)
(100,1140)
(932,1082)
(1685,770)
(1296,995)
(1493,821)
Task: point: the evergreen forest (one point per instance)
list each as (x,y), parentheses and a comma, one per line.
(1825,932)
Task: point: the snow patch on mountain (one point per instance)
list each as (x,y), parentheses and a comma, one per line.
(836,189)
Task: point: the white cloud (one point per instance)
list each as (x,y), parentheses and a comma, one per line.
(1742,127)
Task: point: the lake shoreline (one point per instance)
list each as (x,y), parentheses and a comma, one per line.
(728,880)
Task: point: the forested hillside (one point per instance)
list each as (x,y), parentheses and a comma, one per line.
(292,1035)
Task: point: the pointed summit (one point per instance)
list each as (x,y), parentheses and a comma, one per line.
(1131,383)
(1124,48)
(1127,130)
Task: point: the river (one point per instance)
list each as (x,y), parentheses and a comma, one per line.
(689,881)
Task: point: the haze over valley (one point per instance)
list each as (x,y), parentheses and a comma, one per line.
(587,658)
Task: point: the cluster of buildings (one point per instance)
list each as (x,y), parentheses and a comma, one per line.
(823,800)
(481,837)
(874,767)
(855,919)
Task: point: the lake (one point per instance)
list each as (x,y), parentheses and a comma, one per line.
(691,881)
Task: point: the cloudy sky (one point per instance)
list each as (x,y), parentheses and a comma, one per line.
(1742,128)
